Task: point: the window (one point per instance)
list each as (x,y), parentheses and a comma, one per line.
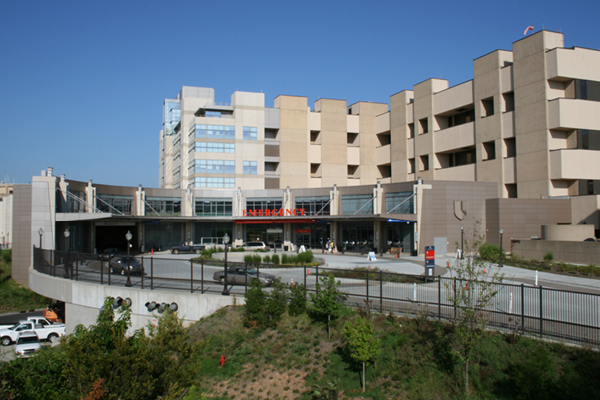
(177,173)
(511,147)
(352,139)
(411,165)
(214,182)
(588,139)
(249,167)
(357,204)
(424,163)
(213,147)
(314,205)
(177,155)
(111,202)
(509,101)
(424,125)
(315,137)
(207,207)
(411,131)
(250,133)
(263,203)
(489,150)
(163,206)
(213,131)
(587,90)
(212,167)
(487,107)
(213,114)
(393,201)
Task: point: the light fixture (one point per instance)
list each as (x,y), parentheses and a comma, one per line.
(501,233)
(128,236)
(225,242)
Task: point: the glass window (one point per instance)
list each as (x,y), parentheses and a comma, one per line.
(393,201)
(214,182)
(213,207)
(212,167)
(111,202)
(250,167)
(163,206)
(250,133)
(314,205)
(213,131)
(263,203)
(357,204)
(213,147)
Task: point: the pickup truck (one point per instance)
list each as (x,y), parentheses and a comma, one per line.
(187,248)
(44,329)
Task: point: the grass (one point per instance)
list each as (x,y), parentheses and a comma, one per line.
(547,265)
(16,297)
(417,362)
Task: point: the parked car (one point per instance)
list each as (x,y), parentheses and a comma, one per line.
(237,275)
(118,265)
(110,252)
(187,248)
(28,344)
(251,246)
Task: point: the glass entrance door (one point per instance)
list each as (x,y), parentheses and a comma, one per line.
(274,240)
(303,239)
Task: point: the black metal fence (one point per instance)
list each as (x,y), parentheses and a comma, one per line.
(532,310)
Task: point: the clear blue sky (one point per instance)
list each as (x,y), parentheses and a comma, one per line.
(83,81)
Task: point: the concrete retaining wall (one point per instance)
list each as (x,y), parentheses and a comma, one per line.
(572,252)
(83,300)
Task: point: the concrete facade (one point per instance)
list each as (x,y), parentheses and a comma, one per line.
(529,121)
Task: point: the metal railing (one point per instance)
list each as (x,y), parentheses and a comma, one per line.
(520,309)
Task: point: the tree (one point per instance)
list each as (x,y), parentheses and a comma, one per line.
(361,343)
(472,291)
(276,303)
(255,304)
(298,300)
(328,299)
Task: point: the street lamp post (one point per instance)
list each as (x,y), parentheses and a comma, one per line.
(462,242)
(501,233)
(67,258)
(128,236)
(225,242)
(40,232)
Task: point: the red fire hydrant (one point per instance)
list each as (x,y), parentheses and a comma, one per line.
(222,361)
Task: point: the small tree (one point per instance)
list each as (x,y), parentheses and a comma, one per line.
(361,343)
(471,292)
(298,300)
(256,300)
(276,303)
(328,299)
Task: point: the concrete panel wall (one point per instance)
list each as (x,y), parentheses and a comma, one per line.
(570,233)
(563,251)
(83,300)
(21,237)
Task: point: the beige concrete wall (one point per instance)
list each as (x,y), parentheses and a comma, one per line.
(334,131)
(569,233)
(439,219)
(400,117)
(294,141)
(21,236)
(83,300)
(523,218)
(574,164)
(586,210)
(453,98)
(563,251)
(573,114)
(529,68)
(573,63)
(455,137)
(370,147)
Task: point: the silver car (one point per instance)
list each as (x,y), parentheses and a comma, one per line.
(28,344)
(237,275)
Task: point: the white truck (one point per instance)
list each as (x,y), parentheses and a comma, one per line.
(44,329)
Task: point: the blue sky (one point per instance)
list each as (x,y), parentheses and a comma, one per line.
(83,81)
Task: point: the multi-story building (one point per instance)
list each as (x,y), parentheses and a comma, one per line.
(529,121)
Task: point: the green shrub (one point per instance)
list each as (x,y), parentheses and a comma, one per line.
(548,257)
(256,301)
(256,259)
(305,257)
(248,259)
(7,255)
(491,252)
(298,300)
(284,258)
(275,259)
(267,259)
